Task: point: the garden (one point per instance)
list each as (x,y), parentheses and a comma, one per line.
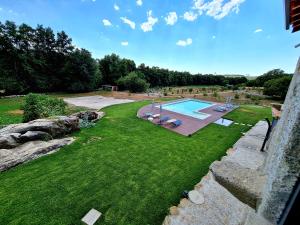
(127,168)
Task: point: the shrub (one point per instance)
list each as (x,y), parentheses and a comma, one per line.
(190,90)
(204,94)
(248,96)
(236,96)
(134,82)
(38,106)
(215,94)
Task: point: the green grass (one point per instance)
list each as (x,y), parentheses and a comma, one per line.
(127,168)
(7,106)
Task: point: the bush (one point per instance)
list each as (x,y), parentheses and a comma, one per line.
(277,87)
(215,94)
(134,82)
(236,96)
(38,106)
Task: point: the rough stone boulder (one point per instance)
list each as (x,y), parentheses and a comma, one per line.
(9,140)
(91,116)
(56,127)
(29,151)
(34,135)
(26,141)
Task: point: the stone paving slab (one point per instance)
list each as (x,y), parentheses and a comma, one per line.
(244,183)
(91,217)
(249,142)
(96,102)
(246,158)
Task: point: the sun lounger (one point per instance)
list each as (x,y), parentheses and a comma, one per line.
(156,116)
(170,121)
(148,114)
(163,119)
(220,109)
(176,123)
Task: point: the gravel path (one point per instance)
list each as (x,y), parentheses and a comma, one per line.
(95,102)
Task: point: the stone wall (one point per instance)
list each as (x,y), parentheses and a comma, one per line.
(282,165)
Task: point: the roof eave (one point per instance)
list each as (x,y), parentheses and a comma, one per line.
(287,14)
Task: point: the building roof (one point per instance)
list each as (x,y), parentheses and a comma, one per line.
(292,12)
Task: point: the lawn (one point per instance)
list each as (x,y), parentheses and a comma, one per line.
(127,168)
(10,111)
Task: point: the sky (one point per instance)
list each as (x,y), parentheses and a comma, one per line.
(200,36)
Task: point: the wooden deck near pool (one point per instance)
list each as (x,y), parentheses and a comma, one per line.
(190,125)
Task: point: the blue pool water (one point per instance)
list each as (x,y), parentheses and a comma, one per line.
(189,107)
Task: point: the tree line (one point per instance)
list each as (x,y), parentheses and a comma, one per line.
(38,60)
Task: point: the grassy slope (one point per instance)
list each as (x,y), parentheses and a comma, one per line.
(129,169)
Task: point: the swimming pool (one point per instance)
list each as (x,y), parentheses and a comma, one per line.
(189,107)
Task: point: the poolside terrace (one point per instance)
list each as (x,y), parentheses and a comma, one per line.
(189,125)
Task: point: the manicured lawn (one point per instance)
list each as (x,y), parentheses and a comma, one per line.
(127,168)
(10,111)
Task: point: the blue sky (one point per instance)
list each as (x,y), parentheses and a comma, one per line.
(205,36)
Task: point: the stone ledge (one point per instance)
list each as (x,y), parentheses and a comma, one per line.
(246,158)
(219,207)
(244,183)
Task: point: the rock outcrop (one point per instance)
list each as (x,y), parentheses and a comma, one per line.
(56,127)
(31,150)
(23,142)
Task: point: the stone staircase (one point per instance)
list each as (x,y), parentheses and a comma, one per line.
(232,188)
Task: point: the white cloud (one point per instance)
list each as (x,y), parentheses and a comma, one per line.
(139,2)
(106,22)
(124,43)
(190,16)
(129,22)
(151,21)
(184,43)
(213,37)
(217,9)
(171,18)
(258,30)
(116,7)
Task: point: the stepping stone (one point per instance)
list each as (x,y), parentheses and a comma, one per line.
(91,217)
(236,123)
(196,197)
(243,124)
(249,125)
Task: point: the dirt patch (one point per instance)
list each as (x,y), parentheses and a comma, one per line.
(16,112)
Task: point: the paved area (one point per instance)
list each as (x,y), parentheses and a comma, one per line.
(190,124)
(95,102)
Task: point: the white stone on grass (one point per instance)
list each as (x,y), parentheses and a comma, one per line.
(196,197)
(223,122)
(91,217)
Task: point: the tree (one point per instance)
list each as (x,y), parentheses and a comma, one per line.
(134,82)
(82,73)
(277,87)
(272,74)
